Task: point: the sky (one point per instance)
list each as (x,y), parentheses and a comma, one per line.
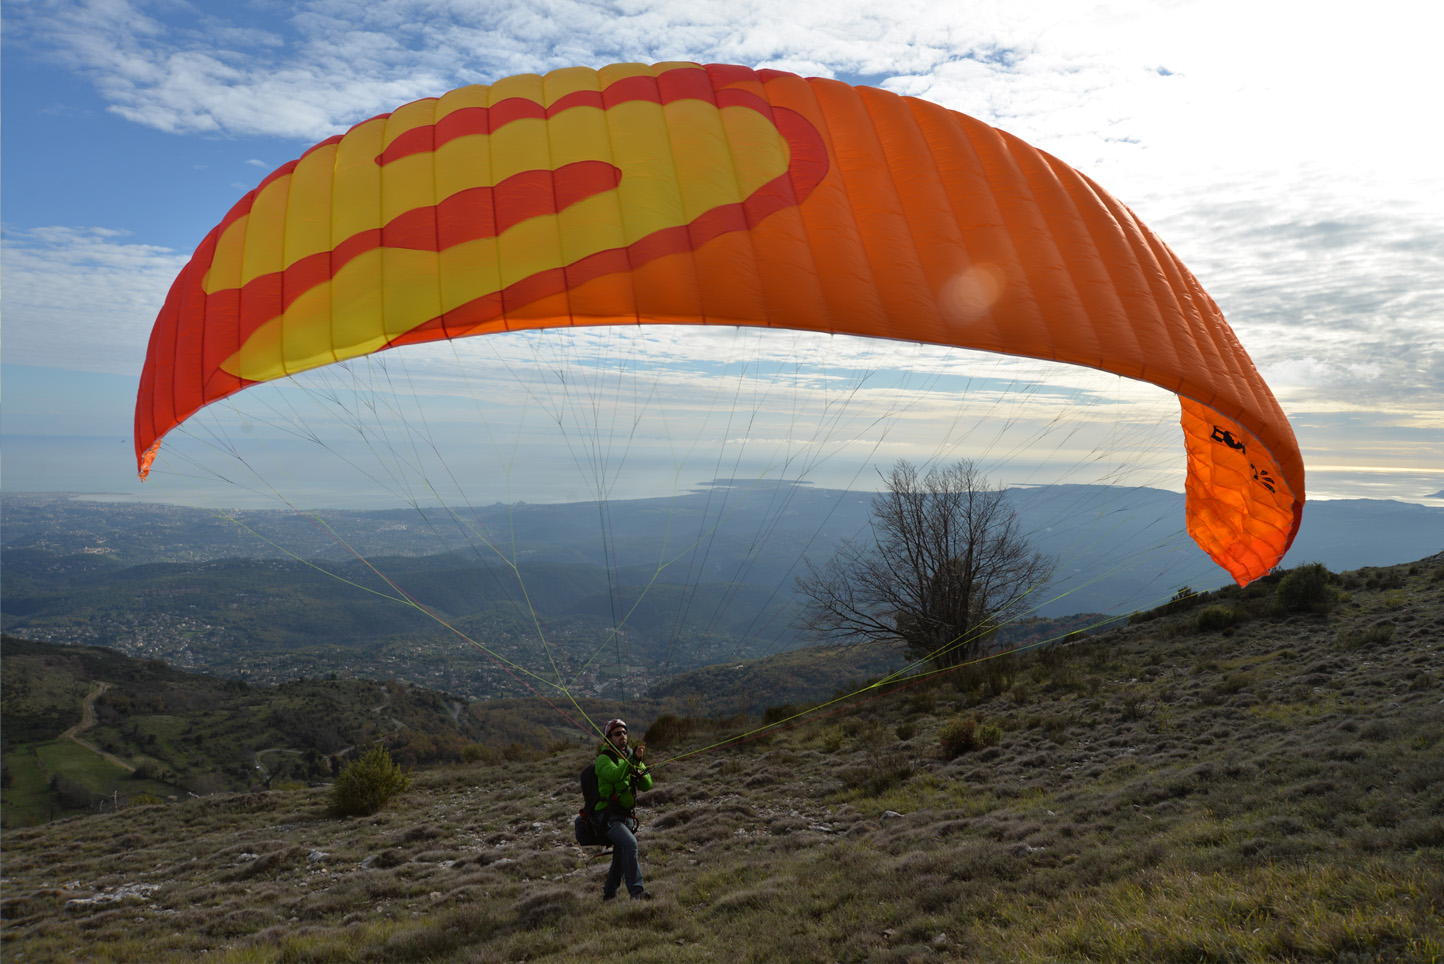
(1289,155)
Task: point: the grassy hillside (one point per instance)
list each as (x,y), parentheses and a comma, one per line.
(168,732)
(153,730)
(817,673)
(1247,776)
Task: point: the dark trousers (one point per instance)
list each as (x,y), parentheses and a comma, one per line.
(624,859)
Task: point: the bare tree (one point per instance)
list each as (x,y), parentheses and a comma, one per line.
(946,565)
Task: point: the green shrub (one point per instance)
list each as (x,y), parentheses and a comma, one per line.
(670,729)
(364,786)
(1216,619)
(832,739)
(924,700)
(1182,601)
(777,714)
(967,733)
(1055,727)
(989,734)
(1387,579)
(999,673)
(959,736)
(1306,589)
(887,772)
(1376,635)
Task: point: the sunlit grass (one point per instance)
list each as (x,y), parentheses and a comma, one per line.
(1260,914)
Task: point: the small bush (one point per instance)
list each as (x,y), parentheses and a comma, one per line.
(1387,579)
(1216,619)
(777,714)
(364,786)
(989,734)
(1055,727)
(1306,589)
(547,908)
(832,739)
(1182,601)
(966,734)
(959,737)
(1395,599)
(888,772)
(1376,635)
(923,700)
(999,674)
(670,729)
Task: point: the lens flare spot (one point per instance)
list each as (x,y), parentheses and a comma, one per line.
(970,295)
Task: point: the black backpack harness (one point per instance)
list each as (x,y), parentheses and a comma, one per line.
(591,823)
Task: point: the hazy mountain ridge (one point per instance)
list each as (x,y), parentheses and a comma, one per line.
(676,583)
(1342,534)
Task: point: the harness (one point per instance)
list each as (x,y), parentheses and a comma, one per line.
(593,819)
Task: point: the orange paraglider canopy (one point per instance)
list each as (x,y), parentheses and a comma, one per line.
(721,195)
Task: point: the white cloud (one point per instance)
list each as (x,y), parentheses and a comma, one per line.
(691,395)
(333,62)
(82,299)
(630,412)
(1149,96)
(1336,305)
(1281,152)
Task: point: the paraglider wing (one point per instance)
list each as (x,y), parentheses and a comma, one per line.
(682,194)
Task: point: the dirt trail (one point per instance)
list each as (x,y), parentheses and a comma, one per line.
(87,720)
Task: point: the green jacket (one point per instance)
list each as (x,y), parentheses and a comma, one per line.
(620,777)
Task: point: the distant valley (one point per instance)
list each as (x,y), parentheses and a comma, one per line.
(606,600)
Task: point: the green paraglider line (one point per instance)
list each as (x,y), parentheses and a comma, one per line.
(485,537)
(511,669)
(406,452)
(838,704)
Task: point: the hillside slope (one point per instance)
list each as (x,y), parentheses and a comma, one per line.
(167,733)
(1219,780)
